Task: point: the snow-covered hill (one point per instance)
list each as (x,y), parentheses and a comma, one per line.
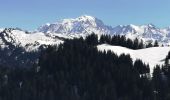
(29,41)
(152,56)
(85,25)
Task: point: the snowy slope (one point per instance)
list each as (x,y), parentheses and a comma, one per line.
(29,41)
(152,56)
(25,38)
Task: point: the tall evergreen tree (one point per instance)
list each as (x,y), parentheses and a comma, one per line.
(149,45)
(156,44)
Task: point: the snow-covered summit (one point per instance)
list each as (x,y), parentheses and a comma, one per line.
(82,25)
(148,33)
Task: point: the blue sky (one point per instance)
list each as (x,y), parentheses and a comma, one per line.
(30,14)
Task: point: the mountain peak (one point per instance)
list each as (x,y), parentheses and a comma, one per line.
(86,17)
(81,18)
(151,25)
(81,25)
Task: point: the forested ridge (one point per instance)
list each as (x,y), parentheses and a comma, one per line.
(121,40)
(76,70)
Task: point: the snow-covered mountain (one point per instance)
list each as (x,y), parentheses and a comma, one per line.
(82,26)
(148,33)
(85,25)
(152,56)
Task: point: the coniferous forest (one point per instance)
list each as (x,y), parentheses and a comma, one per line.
(76,70)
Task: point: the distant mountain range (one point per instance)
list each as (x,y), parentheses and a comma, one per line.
(54,33)
(85,25)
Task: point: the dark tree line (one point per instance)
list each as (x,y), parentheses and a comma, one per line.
(76,70)
(161,80)
(119,40)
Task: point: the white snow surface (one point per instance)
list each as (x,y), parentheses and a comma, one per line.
(33,37)
(29,41)
(152,56)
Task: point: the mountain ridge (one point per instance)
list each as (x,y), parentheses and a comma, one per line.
(85,25)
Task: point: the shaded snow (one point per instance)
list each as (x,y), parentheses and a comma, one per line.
(152,56)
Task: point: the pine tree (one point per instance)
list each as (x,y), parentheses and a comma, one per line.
(156,44)
(159,83)
(149,45)
(136,44)
(141,45)
(92,39)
